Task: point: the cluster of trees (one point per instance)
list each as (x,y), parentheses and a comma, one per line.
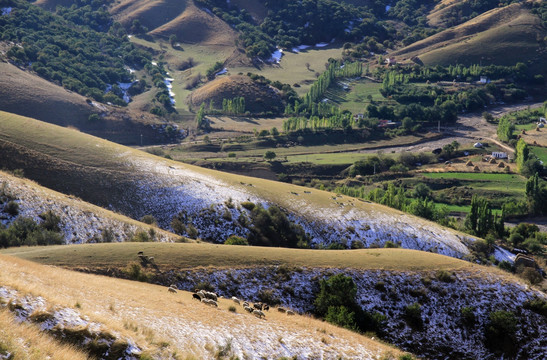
(314,123)
(334,70)
(336,303)
(271,227)
(74,55)
(290,23)
(505,129)
(213,70)
(25,231)
(480,221)
(234,106)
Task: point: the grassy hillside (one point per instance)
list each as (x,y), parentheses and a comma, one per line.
(502,36)
(24,93)
(175,326)
(259,98)
(36,345)
(79,221)
(137,183)
(182,18)
(189,256)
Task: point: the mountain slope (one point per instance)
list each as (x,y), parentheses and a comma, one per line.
(502,36)
(27,94)
(80,221)
(136,183)
(183,18)
(175,323)
(388,282)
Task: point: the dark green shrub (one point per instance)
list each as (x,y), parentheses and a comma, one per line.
(413,315)
(236,240)
(149,219)
(134,271)
(336,246)
(178,226)
(537,305)
(468,315)
(341,316)
(391,245)
(248,205)
(141,236)
(500,333)
(50,221)
(12,208)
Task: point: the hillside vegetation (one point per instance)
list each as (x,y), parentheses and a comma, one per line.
(138,184)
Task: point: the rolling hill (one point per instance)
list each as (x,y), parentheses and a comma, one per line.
(259,98)
(137,183)
(388,282)
(27,94)
(146,320)
(183,18)
(502,36)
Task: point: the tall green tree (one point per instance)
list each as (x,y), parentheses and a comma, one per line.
(522,154)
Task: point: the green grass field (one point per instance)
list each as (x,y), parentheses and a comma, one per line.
(292,68)
(355,98)
(540,152)
(188,256)
(505,183)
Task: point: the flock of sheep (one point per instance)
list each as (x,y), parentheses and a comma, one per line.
(211,299)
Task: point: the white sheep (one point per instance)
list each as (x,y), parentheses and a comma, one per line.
(290,312)
(236,300)
(259,314)
(172,289)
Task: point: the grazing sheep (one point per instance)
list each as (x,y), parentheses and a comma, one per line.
(196,296)
(248,309)
(236,300)
(210,295)
(290,312)
(171,289)
(259,314)
(151,259)
(140,253)
(282,310)
(245,303)
(258,306)
(265,307)
(209,302)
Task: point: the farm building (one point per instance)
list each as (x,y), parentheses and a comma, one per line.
(499,155)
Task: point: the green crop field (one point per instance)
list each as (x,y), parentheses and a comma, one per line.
(507,183)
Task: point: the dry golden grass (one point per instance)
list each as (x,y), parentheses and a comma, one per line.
(191,255)
(244,124)
(168,323)
(501,36)
(50,102)
(26,342)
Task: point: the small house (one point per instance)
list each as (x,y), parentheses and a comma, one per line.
(499,155)
(477,145)
(358,116)
(484,80)
(391,61)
